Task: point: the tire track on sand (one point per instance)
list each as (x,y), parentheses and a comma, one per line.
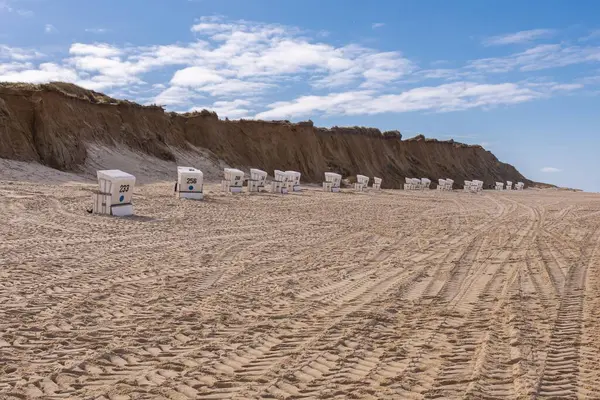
(559,375)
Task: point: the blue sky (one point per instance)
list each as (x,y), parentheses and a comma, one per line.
(520,78)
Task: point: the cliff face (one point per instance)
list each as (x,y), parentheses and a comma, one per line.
(54,123)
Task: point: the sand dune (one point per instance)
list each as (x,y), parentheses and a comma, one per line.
(390,295)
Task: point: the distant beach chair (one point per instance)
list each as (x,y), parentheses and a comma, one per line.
(425,183)
(332,182)
(467,186)
(362,182)
(377,183)
(414,183)
(294,177)
(476,186)
(280,182)
(257,181)
(234,180)
(190,183)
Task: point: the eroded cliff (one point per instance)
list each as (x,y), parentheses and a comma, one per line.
(55,124)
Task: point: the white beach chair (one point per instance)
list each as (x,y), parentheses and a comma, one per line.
(234,180)
(467,186)
(332,182)
(280,182)
(441,184)
(294,177)
(190,183)
(362,182)
(425,183)
(377,183)
(449,184)
(114,194)
(509,185)
(257,181)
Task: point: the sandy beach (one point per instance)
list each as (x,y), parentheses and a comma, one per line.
(377,295)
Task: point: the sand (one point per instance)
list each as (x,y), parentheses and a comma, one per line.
(388,295)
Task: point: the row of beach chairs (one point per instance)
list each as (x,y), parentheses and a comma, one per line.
(417,184)
(473,186)
(116,187)
(333,182)
(445,184)
(283,181)
(509,186)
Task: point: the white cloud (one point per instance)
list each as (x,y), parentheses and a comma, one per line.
(287,56)
(449,97)
(231,109)
(251,50)
(175,96)
(104,66)
(14,67)
(103,82)
(518,37)
(181,95)
(550,169)
(97,50)
(440,73)
(370,68)
(49,28)
(595,34)
(591,80)
(230,61)
(377,25)
(111,66)
(538,58)
(334,103)
(98,31)
(5,6)
(18,54)
(211,28)
(565,86)
(195,77)
(24,13)
(235,86)
(45,73)
(109,72)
